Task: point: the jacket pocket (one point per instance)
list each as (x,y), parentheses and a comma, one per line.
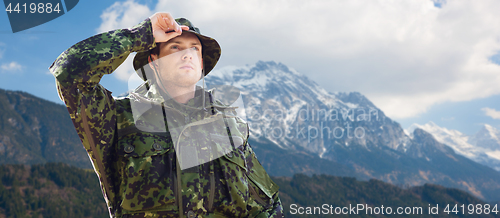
(148,162)
(246,178)
(263,187)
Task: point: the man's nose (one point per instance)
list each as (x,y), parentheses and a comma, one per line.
(188,54)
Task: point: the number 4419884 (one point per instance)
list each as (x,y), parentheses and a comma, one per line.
(472,209)
(33,8)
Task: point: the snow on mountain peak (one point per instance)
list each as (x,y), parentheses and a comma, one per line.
(490,131)
(269,76)
(431,124)
(487,138)
(483,147)
(271,70)
(452,138)
(440,133)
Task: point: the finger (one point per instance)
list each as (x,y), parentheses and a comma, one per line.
(167,24)
(173,25)
(170,18)
(172,34)
(177,28)
(162,19)
(183,27)
(163,37)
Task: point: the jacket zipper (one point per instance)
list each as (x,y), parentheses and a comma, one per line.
(212,187)
(179,188)
(175,187)
(212,179)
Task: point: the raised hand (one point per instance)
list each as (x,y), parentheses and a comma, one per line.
(165,27)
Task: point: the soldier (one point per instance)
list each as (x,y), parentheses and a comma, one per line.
(170,148)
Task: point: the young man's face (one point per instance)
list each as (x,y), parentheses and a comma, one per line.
(180,61)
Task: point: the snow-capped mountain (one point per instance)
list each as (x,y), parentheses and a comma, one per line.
(298,127)
(292,111)
(483,147)
(487,138)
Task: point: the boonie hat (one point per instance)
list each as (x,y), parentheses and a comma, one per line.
(209,47)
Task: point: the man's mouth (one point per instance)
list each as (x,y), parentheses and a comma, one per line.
(187,66)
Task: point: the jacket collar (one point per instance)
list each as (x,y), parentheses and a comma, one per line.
(149,92)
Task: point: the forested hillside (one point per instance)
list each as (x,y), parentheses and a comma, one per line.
(50,190)
(315,191)
(59,190)
(36,131)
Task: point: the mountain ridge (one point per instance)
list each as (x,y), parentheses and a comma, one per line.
(483,147)
(34,130)
(295,114)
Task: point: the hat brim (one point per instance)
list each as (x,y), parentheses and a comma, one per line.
(210,50)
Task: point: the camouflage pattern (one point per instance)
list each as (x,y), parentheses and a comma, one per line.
(210,48)
(136,156)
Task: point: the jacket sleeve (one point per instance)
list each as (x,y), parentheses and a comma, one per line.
(78,71)
(276,211)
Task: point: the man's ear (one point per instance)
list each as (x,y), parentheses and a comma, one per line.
(202,69)
(152,61)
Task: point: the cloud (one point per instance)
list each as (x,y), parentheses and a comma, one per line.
(405,56)
(11,67)
(123,15)
(490,112)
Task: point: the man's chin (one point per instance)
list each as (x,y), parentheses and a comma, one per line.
(189,71)
(181,83)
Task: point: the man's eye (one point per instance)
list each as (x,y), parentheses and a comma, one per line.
(196,48)
(174,47)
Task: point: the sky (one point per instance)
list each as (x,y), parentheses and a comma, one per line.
(417,60)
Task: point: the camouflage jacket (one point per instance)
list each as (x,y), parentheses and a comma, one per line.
(198,165)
